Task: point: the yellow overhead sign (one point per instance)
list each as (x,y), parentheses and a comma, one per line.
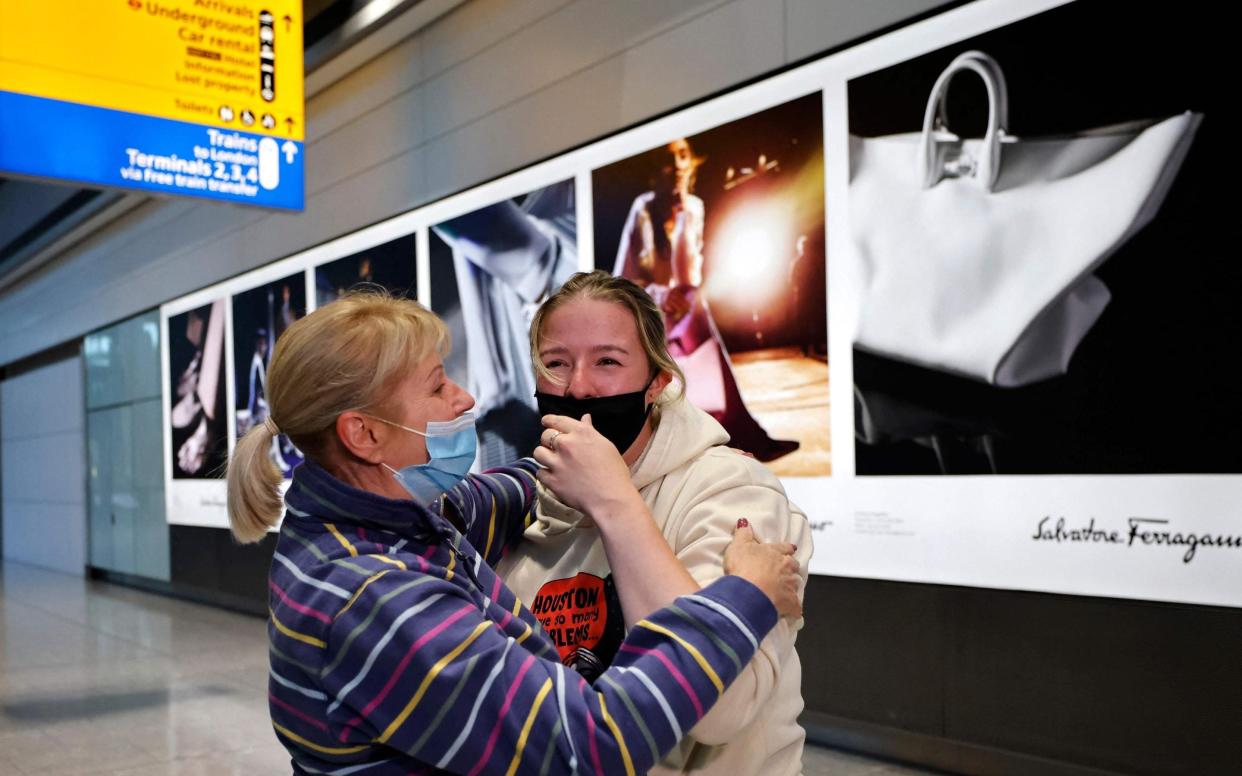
(233,64)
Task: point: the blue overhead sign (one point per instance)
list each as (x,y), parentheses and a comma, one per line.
(61,140)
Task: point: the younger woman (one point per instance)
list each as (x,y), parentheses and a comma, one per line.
(599,349)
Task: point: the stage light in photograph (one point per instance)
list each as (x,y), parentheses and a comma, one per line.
(754,247)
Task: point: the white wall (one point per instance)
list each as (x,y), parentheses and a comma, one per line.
(43,466)
(491,87)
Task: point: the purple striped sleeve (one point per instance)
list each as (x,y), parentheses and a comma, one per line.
(496,507)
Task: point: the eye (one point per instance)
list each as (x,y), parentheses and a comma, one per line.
(606,361)
(554,363)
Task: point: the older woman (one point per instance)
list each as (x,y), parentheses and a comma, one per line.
(599,348)
(394,646)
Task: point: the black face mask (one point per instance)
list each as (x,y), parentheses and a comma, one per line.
(619,419)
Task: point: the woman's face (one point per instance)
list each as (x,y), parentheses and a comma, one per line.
(425,395)
(681,165)
(592,349)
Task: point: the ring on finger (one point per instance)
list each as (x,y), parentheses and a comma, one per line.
(552,440)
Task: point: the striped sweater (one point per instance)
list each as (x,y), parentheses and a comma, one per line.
(396,649)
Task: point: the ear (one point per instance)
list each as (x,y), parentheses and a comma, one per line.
(359,436)
(657,386)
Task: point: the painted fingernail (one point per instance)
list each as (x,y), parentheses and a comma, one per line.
(742,522)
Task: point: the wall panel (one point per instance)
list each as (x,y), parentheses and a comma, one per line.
(43,467)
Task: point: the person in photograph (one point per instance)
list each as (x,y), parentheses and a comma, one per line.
(389,265)
(802,325)
(256,405)
(507,259)
(196,417)
(283,453)
(600,350)
(395,647)
(279,316)
(332,282)
(661,249)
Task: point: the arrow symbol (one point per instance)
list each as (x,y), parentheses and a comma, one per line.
(288,22)
(290,149)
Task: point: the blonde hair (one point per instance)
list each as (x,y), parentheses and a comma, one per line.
(347,355)
(602,286)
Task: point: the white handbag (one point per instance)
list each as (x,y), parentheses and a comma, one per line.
(976,256)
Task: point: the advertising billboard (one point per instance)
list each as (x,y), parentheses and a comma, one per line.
(971,303)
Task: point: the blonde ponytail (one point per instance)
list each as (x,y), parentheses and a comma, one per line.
(254,502)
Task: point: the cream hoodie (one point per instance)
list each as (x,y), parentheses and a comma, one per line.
(696,490)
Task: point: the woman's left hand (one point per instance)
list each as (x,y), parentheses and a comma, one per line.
(584,469)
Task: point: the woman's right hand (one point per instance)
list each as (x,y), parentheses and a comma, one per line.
(770,566)
(585,471)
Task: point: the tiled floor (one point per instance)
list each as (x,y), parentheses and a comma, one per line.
(99,679)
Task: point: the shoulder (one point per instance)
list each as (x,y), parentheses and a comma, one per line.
(384,587)
(721,485)
(641,203)
(516,481)
(345,556)
(339,565)
(721,475)
(733,470)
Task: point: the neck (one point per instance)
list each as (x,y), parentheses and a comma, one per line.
(635,450)
(363,475)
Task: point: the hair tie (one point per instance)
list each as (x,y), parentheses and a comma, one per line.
(270,425)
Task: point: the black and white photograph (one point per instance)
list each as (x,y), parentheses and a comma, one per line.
(490,270)
(260,316)
(725,229)
(1039,221)
(196,393)
(390,266)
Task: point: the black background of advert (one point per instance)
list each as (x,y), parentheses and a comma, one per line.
(392,267)
(1153,388)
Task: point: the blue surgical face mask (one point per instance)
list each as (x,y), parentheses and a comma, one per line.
(451,448)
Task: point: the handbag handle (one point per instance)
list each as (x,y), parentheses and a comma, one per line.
(935,162)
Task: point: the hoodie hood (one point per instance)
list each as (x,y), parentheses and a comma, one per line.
(685,433)
(552,518)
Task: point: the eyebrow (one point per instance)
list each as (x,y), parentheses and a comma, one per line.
(610,349)
(435,374)
(597,349)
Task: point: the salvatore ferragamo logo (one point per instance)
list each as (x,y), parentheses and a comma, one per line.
(1150,531)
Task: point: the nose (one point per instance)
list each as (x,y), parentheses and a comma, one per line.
(579,386)
(461,399)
